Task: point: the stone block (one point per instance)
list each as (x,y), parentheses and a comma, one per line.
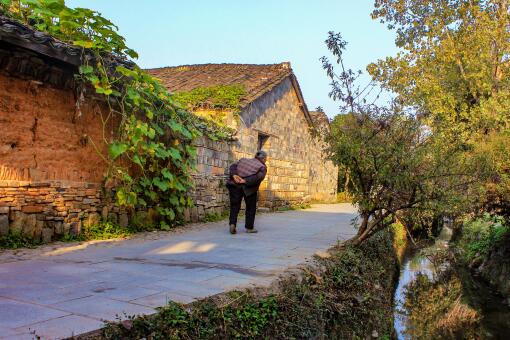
(92,219)
(75,228)
(17,220)
(187,215)
(47,235)
(39,225)
(152,216)
(4,210)
(194,214)
(141,217)
(66,228)
(123,220)
(29,225)
(4,225)
(32,209)
(104,212)
(112,217)
(58,228)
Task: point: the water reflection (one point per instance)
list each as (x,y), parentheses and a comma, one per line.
(443,302)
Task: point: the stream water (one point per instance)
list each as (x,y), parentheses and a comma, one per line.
(494,313)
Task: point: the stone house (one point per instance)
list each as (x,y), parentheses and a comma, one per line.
(51,176)
(272,116)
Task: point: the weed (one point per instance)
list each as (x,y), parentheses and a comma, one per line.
(299,206)
(16,240)
(215,217)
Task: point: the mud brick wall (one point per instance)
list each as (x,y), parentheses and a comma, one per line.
(45,137)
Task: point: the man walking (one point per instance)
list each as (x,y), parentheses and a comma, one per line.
(245,178)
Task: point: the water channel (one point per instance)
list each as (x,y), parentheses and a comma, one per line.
(493,312)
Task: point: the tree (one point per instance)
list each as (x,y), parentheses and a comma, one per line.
(454,71)
(453,68)
(394,164)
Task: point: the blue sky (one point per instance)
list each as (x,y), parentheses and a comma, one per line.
(168,33)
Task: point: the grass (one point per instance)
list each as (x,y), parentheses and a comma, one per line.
(215,217)
(299,206)
(343,197)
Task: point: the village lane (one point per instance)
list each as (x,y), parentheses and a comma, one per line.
(70,290)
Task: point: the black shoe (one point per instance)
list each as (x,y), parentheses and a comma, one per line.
(233,229)
(251,230)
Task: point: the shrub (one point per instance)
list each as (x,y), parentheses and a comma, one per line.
(481,234)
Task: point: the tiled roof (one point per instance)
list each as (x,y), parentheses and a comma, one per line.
(256,79)
(22,35)
(18,34)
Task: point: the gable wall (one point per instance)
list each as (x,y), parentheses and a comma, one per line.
(297,171)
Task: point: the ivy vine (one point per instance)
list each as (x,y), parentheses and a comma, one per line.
(151,156)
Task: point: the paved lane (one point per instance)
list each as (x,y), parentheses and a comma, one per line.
(70,291)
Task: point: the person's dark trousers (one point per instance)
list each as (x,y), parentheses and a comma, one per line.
(236,197)
(251,210)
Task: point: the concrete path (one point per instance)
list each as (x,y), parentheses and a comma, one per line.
(70,291)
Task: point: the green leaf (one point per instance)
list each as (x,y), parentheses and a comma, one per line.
(167,174)
(84,43)
(161,184)
(117,149)
(174,200)
(175,154)
(126,198)
(137,160)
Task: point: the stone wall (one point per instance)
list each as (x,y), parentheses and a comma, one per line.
(297,170)
(51,173)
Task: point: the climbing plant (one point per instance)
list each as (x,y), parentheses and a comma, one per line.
(221,97)
(151,156)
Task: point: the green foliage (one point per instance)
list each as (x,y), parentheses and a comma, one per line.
(248,318)
(103,230)
(395,167)
(221,97)
(453,65)
(299,206)
(215,217)
(150,155)
(348,299)
(17,240)
(481,235)
(453,70)
(83,27)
